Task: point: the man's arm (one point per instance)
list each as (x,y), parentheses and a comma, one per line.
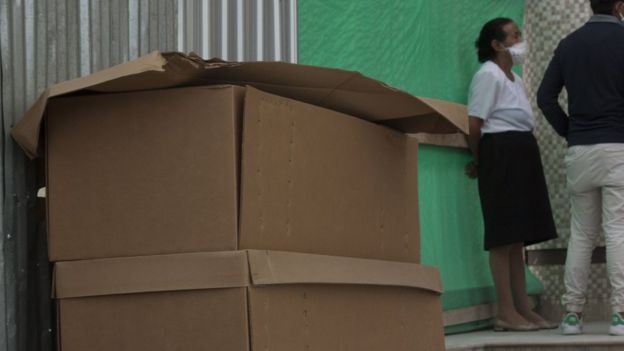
(548,98)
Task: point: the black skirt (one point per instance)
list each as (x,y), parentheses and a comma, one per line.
(512,188)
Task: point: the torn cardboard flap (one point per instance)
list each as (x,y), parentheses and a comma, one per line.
(340,90)
(232,269)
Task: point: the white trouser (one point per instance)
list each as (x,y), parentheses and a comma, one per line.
(595,179)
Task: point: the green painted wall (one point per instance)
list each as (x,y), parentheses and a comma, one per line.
(422,46)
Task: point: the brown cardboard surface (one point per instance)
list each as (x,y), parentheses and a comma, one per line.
(231,269)
(175,188)
(191,271)
(429,121)
(456,140)
(214,319)
(324,310)
(318,181)
(322,317)
(344,91)
(157,172)
(347,92)
(278,268)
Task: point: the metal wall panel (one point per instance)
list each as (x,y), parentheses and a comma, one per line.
(239,30)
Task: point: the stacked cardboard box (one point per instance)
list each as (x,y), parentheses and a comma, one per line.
(190,216)
(237,300)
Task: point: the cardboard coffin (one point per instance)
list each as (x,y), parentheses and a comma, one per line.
(134,168)
(157,172)
(259,300)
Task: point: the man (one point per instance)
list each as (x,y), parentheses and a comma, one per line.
(590,64)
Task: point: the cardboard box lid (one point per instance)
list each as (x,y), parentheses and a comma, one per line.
(340,90)
(212,270)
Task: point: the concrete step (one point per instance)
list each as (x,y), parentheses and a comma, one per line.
(595,338)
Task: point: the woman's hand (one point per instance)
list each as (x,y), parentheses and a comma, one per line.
(473,138)
(471,169)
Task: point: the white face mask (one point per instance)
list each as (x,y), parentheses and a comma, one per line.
(518,52)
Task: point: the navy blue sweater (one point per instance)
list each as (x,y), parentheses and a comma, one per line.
(590,64)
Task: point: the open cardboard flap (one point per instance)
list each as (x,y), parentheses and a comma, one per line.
(344,91)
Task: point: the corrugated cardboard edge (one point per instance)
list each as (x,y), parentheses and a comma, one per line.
(278,267)
(455,140)
(455,118)
(112,276)
(232,269)
(456,113)
(412,202)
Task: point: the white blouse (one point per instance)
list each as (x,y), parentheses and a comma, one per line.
(500,102)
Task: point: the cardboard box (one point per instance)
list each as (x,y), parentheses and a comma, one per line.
(258,300)
(155,172)
(319,181)
(140,170)
(143,173)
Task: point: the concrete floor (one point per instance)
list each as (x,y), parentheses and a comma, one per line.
(595,338)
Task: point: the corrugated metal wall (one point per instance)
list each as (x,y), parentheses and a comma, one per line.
(239,30)
(46,41)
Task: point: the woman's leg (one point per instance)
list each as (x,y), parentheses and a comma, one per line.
(501,273)
(521,299)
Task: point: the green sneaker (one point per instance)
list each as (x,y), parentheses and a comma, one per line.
(571,324)
(617,325)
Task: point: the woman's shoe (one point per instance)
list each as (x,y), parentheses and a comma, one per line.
(547,325)
(500,325)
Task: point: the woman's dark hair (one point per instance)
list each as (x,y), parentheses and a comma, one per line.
(603,7)
(493,30)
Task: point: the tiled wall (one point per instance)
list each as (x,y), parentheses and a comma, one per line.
(546,23)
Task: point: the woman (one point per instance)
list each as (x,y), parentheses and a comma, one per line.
(512,188)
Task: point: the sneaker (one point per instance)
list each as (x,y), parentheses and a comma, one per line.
(572,324)
(617,325)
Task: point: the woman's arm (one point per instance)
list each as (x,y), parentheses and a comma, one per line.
(473,138)
(474,130)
